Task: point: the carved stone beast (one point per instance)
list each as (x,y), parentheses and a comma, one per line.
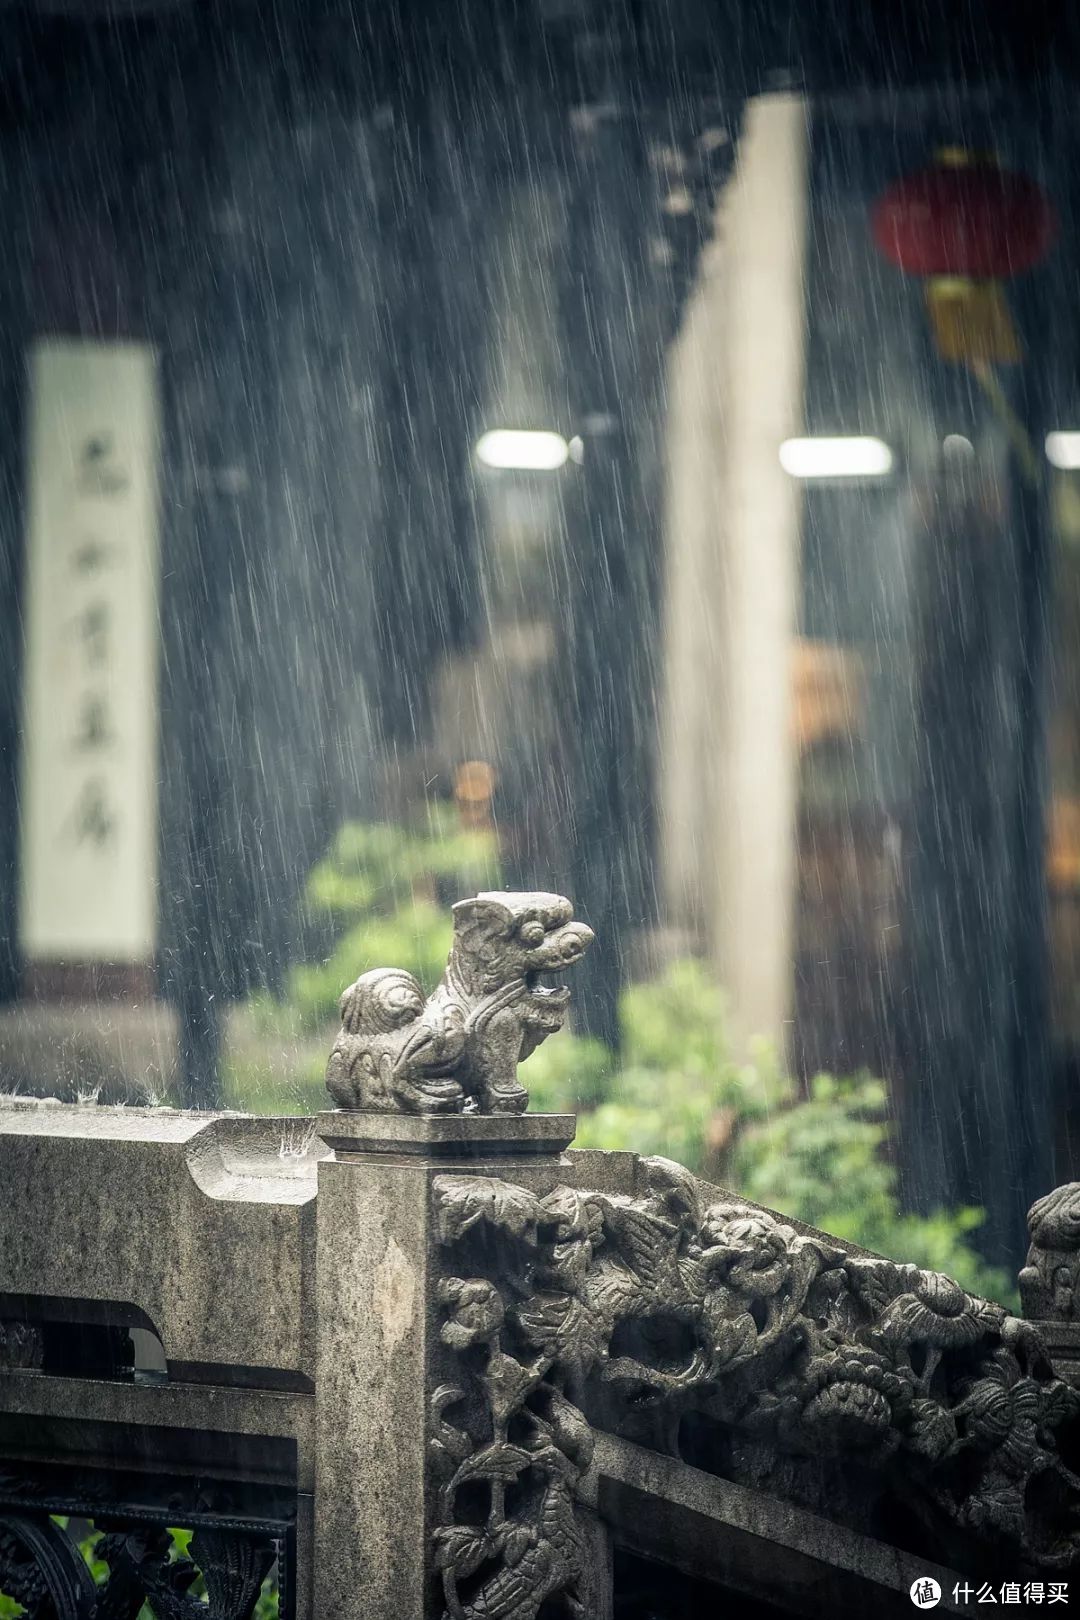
(1049,1281)
(458,1051)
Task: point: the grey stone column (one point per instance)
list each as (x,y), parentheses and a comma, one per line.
(378,1347)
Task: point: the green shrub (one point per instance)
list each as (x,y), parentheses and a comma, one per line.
(568,1073)
(416,936)
(824,1160)
(379,896)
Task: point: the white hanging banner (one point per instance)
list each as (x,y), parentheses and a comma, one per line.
(88,864)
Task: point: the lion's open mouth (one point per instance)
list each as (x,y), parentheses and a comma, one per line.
(540,991)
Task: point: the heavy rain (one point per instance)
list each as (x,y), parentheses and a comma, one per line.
(626,450)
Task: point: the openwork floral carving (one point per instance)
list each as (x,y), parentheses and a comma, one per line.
(587,1302)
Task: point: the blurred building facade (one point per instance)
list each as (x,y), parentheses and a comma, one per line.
(822,732)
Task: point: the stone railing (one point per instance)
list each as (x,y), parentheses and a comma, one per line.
(423,1361)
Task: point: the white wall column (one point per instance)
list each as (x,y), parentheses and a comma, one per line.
(728,772)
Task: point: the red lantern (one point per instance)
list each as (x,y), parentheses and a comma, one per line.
(966,224)
(964,216)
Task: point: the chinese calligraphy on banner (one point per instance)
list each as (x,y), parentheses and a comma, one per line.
(88,865)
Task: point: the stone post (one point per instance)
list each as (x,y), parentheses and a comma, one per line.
(378,1340)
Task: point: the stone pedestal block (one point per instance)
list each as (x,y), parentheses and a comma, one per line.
(378,1339)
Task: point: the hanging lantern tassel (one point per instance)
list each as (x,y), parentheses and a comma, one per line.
(970,321)
(964,225)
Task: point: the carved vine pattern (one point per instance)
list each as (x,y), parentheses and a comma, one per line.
(784,1338)
(44,1571)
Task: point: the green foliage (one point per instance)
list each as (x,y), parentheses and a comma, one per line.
(568,1073)
(823,1156)
(681,1014)
(415,936)
(380,895)
(676,1087)
(824,1161)
(374,866)
(251,1085)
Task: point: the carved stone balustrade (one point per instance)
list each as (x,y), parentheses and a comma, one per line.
(429,1363)
(440,1365)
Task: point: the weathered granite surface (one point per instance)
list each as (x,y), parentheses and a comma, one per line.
(754,1545)
(99,1050)
(204,1223)
(468,1138)
(378,1308)
(476,1362)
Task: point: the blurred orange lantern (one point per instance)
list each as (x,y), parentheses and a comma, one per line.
(474,785)
(966,225)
